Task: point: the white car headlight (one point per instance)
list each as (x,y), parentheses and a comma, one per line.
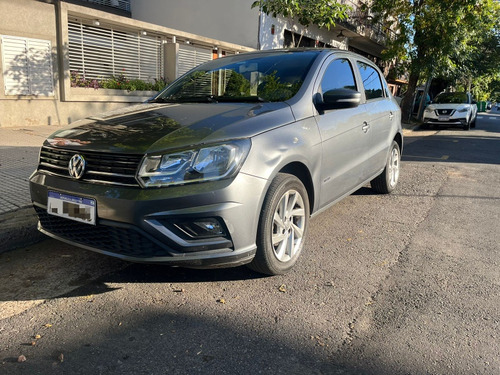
(463,109)
(194,165)
(429,109)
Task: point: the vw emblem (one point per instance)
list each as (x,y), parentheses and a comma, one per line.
(76,166)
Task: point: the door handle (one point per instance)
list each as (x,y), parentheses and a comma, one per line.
(365,127)
(391,116)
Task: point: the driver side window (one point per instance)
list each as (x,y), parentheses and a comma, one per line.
(338,75)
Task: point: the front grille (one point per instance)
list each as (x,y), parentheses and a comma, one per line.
(128,241)
(445,112)
(104,168)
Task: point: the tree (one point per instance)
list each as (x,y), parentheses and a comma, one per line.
(322,13)
(435,36)
(478,65)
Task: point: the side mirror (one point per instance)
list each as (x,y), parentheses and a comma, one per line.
(340,98)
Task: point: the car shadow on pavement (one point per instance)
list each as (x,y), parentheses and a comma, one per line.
(144,273)
(53,269)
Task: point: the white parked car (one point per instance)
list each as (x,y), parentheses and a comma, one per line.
(451,108)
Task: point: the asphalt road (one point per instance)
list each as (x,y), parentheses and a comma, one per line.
(407,283)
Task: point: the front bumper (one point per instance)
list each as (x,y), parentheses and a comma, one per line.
(450,122)
(457,119)
(142,225)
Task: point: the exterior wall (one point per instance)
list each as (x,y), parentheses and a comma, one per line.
(232,21)
(268,40)
(37,20)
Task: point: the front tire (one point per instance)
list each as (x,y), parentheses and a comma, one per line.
(282,226)
(387,181)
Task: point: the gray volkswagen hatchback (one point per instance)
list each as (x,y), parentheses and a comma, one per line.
(226,165)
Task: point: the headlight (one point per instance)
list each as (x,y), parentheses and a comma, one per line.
(464,109)
(208,163)
(429,109)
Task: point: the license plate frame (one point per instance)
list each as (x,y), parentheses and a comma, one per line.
(72,207)
(444,118)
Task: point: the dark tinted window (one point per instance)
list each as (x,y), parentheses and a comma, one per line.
(451,97)
(371,81)
(338,75)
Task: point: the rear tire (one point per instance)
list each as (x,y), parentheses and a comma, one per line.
(282,226)
(387,181)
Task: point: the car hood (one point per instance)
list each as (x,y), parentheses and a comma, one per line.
(435,106)
(154,127)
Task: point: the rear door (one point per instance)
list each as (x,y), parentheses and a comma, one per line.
(380,113)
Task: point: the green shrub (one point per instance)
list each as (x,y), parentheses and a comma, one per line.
(119,82)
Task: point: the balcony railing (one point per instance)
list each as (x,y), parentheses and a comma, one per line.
(361,21)
(118,4)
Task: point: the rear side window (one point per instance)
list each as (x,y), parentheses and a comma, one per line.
(371,81)
(338,75)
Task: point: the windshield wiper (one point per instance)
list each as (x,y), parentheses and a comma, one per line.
(240,99)
(210,99)
(162,100)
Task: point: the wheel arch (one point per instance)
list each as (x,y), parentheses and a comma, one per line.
(399,140)
(300,171)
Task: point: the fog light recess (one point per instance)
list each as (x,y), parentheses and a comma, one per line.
(202,228)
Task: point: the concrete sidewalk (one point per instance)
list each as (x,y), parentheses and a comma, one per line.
(19,149)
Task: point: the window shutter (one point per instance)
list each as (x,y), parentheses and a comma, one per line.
(190,57)
(102,52)
(40,67)
(27,65)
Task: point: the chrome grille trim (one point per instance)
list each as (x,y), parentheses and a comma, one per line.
(102,168)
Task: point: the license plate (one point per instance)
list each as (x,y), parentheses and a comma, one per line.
(444,118)
(72,207)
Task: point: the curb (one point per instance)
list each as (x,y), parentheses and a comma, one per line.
(18,229)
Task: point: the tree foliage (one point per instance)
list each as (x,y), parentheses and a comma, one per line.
(322,13)
(456,39)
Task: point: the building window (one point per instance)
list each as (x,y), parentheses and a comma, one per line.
(119,4)
(100,52)
(27,66)
(292,39)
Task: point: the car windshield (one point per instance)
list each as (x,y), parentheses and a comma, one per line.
(451,97)
(262,77)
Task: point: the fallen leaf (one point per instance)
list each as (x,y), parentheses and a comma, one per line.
(37,337)
(21,358)
(33,343)
(221,300)
(61,357)
(282,288)
(48,325)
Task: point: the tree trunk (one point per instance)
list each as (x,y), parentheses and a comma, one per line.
(423,103)
(407,103)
